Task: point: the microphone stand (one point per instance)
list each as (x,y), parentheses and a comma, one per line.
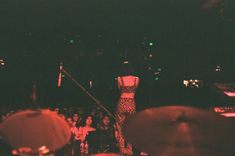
(97,102)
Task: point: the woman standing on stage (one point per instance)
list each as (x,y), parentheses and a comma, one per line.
(127,84)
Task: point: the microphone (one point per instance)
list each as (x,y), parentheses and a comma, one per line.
(60,75)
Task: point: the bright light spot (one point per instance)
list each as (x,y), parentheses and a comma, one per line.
(157,78)
(218,110)
(186,82)
(218,68)
(90,84)
(71,41)
(2,63)
(125,62)
(231,94)
(192,83)
(228,115)
(151,43)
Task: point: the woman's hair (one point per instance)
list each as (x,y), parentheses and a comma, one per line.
(126,69)
(83,122)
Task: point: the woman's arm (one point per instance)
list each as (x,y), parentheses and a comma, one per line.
(137,81)
(119,82)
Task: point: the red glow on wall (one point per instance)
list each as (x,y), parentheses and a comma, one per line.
(231,94)
(228,115)
(218,110)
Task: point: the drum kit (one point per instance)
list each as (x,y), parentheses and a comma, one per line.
(181,131)
(35,132)
(163,131)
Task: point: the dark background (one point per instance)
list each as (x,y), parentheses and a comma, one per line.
(93,37)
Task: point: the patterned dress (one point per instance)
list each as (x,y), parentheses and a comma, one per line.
(125,107)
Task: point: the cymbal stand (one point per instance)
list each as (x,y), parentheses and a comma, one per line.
(97,102)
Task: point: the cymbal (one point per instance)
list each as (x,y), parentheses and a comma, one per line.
(36,130)
(180,131)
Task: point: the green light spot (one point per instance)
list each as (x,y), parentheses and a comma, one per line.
(159,69)
(157,78)
(63,75)
(71,41)
(151,43)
